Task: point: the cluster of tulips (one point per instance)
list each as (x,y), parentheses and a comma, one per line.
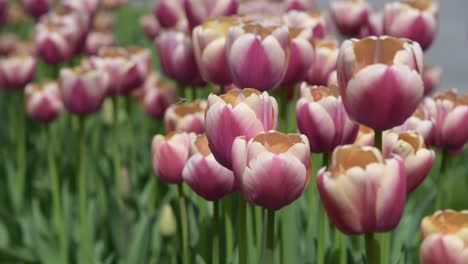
(365,105)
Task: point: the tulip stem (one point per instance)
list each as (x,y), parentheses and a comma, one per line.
(82,185)
(343,247)
(184,224)
(322,222)
(443,169)
(21,151)
(215,257)
(242,241)
(378,139)
(116,143)
(228,225)
(270,246)
(372,249)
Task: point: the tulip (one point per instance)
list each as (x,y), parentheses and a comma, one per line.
(197,11)
(421,123)
(176,56)
(300,5)
(260,7)
(412,19)
(244,112)
(361,191)
(373,26)
(150,26)
(186,117)
(55,42)
(36,8)
(96,40)
(43,101)
(365,137)
(444,238)
(410,147)
(313,25)
(450,113)
(17,71)
(375,75)
(205,175)
(88,7)
(156,96)
(300,60)
(350,15)
(209,41)
(326,54)
(83,89)
(112,4)
(332,79)
(169,12)
(431,78)
(322,118)
(170,154)
(104,22)
(272,169)
(8,43)
(258,56)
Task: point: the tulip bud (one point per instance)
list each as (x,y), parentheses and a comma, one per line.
(326,54)
(365,137)
(96,40)
(169,12)
(418,160)
(55,42)
(373,26)
(272,169)
(170,154)
(36,8)
(205,175)
(83,89)
(444,238)
(375,75)
(197,11)
(186,117)
(361,191)
(431,78)
(258,55)
(17,71)
(167,221)
(350,15)
(412,19)
(322,118)
(244,112)
(150,26)
(43,101)
(450,113)
(421,123)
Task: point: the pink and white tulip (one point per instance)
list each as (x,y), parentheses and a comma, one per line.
(150,26)
(322,117)
(272,169)
(373,27)
(89,7)
(97,40)
(197,11)
(300,5)
(444,238)
(260,7)
(326,55)
(258,55)
(415,20)
(36,8)
(380,80)
(410,147)
(16,71)
(431,78)
(169,12)
(361,191)
(104,21)
(420,122)
(44,101)
(169,154)
(244,112)
(83,89)
(365,137)
(186,117)
(205,175)
(350,15)
(313,25)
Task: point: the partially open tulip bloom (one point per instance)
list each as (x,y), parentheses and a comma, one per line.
(431,78)
(444,238)
(322,117)
(244,112)
(410,147)
(197,11)
(365,137)
(324,64)
(97,40)
(361,191)
(205,175)
(380,80)
(258,55)
(16,71)
(44,101)
(350,15)
(170,154)
(420,122)
(169,12)
(83,89)
(412,19)
(450,113)
(55,42)
(36,8)
(186,117)
(373,26)
(272,169)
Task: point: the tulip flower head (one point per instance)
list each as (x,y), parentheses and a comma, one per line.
(444,238)
(420,122)
(170,154)
(300,5)
(365,137)
(350,15)
(186,117)
(150,26)
(375,75)
(197,11)
(272,169)
(322,118)
(104,21)
(260,7)
(36,8)
(97,40)
(244,112)
(17,71)
(373,26)
(412,19)
(314,24)
(169,12)
(410,147)
(361,191)
(324,64)
(205,175)
(431,78)
(44,101)
(88,7)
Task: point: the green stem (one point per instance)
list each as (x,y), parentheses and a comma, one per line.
(216,217)
(270,246)
(242,241)
(343,247)
(228,225)
(372,249)
(116,143)
(57,206)
(441,179)
(385,239)
(378,139)
(322,223)
(21,152)
(82,185)
(184,223)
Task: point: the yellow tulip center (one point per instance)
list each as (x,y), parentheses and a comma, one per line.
(201,143)
(450,222)
(235,96)
(373,50)
(277,142)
